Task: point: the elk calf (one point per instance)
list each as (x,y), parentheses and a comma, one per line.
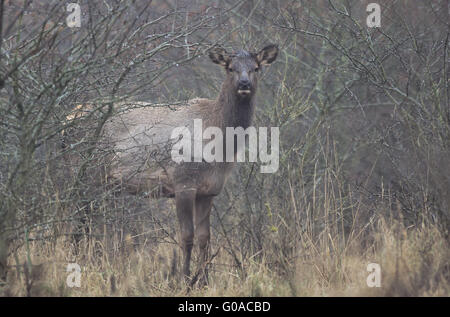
(142,147)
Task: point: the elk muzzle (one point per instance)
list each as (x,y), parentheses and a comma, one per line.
(244,87)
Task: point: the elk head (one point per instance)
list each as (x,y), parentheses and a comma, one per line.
(242,67)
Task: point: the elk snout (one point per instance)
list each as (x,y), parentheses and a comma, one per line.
(244,86)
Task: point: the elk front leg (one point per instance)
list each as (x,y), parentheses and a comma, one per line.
(202,231)
(185,201)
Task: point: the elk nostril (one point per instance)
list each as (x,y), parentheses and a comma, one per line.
(244,84)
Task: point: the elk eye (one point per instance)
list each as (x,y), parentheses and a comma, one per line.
(256,69)
(230,70)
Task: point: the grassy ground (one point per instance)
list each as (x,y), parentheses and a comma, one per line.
(414,262)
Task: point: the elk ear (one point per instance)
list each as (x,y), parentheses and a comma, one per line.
(267,55)
(219,56)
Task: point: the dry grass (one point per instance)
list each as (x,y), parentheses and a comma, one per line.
(414,262)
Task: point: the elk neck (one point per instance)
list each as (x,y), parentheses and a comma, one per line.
(233,110)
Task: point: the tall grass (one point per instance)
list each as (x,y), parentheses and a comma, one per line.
(414,261)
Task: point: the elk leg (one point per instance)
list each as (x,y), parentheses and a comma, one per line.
(202,231)
(185,207)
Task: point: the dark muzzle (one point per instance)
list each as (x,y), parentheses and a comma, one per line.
(244,87)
